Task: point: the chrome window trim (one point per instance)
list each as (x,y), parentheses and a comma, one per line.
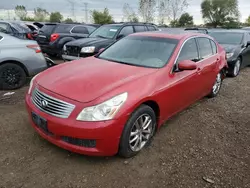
(1,38)
(194,37)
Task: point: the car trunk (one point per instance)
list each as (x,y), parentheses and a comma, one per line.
(44,34)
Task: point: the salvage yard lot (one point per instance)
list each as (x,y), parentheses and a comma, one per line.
(207,145)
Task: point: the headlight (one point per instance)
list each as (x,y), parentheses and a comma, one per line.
(103,111)
(89,49)
(31,84)
(229,55)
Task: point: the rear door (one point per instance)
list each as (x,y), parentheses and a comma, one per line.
(206,67)
(44,34)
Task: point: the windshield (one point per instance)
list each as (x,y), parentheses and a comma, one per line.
(227,37)
(107,31)
(142,51)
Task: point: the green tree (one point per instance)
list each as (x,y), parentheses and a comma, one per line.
(21,12)
(40,14)
(29,19)
(102,17)
(248,21)
(231,23)
(174,23)
(216,12)
(68,20)
(185,20)
(56,17)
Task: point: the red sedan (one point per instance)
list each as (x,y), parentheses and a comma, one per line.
(115,101)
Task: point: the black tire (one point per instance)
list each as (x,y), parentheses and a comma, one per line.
(215,90)
(233,73)
(125,147)
(12,76)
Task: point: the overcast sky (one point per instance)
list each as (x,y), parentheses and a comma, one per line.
(115,7)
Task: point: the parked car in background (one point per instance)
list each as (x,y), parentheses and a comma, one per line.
(52,37)
(17,29)
(34,30)
(115,101)
(19,59)
(101,38)
(237,46)
(197,30)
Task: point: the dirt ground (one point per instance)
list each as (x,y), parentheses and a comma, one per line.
(205,146)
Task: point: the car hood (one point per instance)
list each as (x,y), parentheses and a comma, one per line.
(87,79)
(229,47)
(88,42)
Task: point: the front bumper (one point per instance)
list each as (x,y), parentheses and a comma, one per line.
(69,57)
(106,134)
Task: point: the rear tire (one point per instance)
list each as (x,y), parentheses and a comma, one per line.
(138,131)
(12,76)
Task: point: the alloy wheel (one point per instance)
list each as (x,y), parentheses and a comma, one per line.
(236,68)
(217,84)
(141,132)
(11,76)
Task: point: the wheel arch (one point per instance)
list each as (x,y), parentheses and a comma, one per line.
(17,63)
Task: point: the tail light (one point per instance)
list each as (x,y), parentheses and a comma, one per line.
(35,47)
(29,36)
(54,36)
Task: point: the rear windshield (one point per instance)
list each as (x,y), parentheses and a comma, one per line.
(141,51)
(48,28)
(63,28)
(22,28)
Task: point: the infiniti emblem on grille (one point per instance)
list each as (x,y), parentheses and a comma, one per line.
(44,103)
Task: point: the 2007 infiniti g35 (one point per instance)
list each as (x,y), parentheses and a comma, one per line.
(114,102)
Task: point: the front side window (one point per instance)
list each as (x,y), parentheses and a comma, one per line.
(80,29)
(106,31)
(141,51)
(205,47)
(126,31)
(189,51)
(227,37)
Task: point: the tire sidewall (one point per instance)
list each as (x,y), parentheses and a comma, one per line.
(124,148)
(22,80)
(212,94)
(235,75)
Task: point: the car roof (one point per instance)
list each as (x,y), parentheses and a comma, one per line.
(228,31)
(164,34)
(131,23)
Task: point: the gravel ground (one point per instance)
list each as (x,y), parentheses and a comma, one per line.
(205,146)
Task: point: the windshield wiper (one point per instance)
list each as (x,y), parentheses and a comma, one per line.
(101,36)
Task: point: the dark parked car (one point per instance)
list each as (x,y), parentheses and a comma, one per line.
(52,37)
(237,46)
(17,29)
(197,30)
(101,38)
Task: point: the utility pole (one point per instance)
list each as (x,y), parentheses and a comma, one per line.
(72,3)
(86,12)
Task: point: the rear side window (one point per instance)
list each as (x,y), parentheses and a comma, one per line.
(205,47)
(63,28)
(80,29)
(189,51)
(139,28)
(127,31)
(151,28)
(48,29)
(214,47)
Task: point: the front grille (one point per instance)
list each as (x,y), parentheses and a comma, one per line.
(80,142)
(73,50)
(51,105)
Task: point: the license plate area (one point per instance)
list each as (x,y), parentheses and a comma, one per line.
(40,123)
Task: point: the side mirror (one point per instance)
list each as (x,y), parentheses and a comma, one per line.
(120,36)
(187,65)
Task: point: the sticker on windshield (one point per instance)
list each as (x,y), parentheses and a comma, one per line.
(113,30)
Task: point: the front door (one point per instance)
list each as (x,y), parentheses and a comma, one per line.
(246,52)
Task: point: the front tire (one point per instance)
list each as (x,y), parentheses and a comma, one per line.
(217,86)
(12,76)
(236,69)
(138,131)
